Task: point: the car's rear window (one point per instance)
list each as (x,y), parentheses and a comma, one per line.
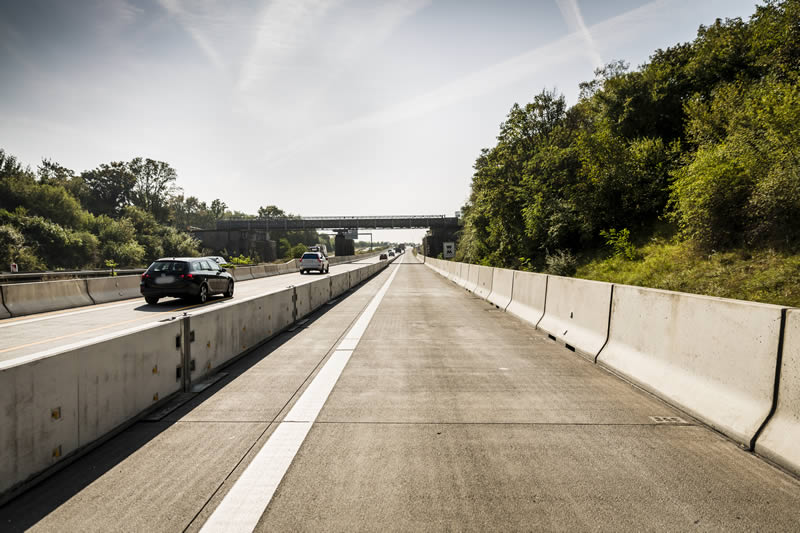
(168,266)
(310,256)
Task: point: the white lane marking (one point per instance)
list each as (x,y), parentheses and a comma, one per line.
(60,315)
(243,506)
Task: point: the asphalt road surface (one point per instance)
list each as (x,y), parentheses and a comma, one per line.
(411,405)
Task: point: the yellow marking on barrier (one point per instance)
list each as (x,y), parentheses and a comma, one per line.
(155,369)
(55,414)
(57,452)
(60,337)
(155,397)
(208,344)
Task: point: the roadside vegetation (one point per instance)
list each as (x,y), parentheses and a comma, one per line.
(124,214)
(682,174)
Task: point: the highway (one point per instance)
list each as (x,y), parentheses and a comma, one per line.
(33,334)
(410,405)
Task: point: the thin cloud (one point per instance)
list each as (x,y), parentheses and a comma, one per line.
(572,15)
(285,27)
(188,22)
(568,48)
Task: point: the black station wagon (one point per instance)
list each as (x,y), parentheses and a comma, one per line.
(185,277)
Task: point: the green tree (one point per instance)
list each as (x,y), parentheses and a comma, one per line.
(110,187)
(155,184)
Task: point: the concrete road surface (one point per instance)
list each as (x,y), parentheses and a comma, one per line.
(31,334)
(412,405)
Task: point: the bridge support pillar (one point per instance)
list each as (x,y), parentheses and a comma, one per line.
(432,243)
(343,245)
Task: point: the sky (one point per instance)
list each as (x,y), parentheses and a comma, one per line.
(321,107)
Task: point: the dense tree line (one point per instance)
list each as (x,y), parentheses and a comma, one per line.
(127,213)
(703,139)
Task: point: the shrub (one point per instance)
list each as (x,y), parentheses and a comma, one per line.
(561,263)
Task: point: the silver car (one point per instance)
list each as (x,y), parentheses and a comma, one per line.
(314,261)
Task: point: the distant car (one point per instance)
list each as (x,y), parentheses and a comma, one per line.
(185,277)
(218,258)
(391,253)
(383,256)
(314,261)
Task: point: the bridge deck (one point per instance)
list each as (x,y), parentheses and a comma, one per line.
(448,415)
(373,222)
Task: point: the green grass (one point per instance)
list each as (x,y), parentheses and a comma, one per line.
(767,276)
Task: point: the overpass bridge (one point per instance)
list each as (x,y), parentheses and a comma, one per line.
(246,235)
(334,223)
(416,395)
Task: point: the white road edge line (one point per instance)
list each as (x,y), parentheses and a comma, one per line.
(243,506)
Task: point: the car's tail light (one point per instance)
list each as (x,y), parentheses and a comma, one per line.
(186,276)
(146,276)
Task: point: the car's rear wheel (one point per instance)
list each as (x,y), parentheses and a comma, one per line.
(203,296)
(229,292)
(152,300)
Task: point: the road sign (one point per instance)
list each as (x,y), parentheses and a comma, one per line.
(351,233)
(448,250)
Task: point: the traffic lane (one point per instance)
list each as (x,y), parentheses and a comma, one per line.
(459,359)
(468,424)
(522,477)
(37,333)
(161,476)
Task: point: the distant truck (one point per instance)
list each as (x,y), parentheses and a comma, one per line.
(321,248)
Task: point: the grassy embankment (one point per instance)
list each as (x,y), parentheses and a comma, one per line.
(766,276)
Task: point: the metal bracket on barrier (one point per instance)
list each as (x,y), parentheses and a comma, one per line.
(186,353)
(294,302)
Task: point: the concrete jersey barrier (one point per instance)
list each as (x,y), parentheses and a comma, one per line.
(242,273)
(528,296)
(340,283)
(577,313)
(459,277)
(502,285)
(3,311)
(258,271)
(65,399)
(712,357)
(472,278)
(780,439)
(225,331)
(55,404)
(484,286)
(44,296)
(320,292)
(103,290)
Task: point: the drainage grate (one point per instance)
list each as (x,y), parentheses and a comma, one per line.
(668,420)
